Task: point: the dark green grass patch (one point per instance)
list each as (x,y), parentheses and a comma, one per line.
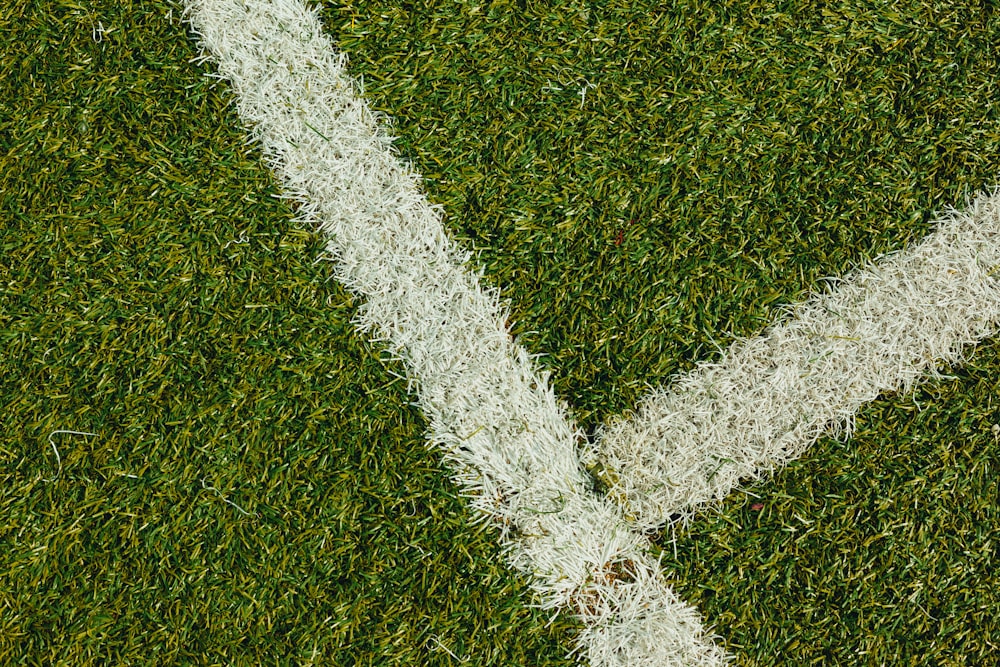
(644,182)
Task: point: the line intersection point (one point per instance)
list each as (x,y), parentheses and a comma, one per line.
(508,441)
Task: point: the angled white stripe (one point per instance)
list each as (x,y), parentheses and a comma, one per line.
(882,329)
(510,443)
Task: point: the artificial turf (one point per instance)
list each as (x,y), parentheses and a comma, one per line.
(644,182)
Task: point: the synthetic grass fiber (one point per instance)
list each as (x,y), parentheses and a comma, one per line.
(644,184)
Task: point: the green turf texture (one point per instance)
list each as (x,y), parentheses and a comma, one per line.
(723,159)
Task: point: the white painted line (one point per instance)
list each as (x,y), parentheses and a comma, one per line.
(508,440)
(882,329)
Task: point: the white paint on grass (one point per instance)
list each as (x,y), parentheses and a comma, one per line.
(510,443)
(882,329)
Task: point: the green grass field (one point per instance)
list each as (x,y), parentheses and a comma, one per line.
(645,183)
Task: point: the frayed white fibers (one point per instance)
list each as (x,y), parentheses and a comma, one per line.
(509,442)
(55,450)
(883,329)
